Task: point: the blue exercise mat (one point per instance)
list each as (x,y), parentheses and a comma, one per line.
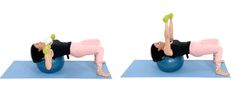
(71,69)
(191,68)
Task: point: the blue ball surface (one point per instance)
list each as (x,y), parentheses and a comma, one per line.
(57,65)
(168,64)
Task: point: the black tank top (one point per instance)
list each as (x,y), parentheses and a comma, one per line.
(60,48)
(178,48)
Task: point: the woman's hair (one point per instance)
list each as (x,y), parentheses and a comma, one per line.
(35,54)
(155,54)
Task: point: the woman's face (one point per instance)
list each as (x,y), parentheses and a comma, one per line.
(159,45)
(39,45)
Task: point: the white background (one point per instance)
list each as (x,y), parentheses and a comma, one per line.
(126,28)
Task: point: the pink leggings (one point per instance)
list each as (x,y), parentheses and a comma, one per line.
(208,46)
(88,47)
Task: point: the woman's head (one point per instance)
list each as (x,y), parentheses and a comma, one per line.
(36,51)
(39,45)
(157,51)
(159,45)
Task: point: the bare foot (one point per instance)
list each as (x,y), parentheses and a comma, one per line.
(101,73)
(222,73)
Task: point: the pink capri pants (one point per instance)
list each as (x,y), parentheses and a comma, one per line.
(205,47)
(88,47)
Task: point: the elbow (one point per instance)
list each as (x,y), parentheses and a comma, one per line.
(48,67)
(168,53)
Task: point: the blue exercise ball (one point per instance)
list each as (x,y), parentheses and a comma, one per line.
(57,64)
(168,64)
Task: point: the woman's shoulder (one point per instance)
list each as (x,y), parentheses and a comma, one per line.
(175,41)
(56,40)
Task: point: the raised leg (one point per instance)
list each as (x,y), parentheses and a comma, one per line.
(79,50)
(211,41)
(204,48)
(90,42)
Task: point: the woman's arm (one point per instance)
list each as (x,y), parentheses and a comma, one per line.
(171,29)
(167,48)
(48,59)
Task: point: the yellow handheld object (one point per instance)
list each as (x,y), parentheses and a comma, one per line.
(167,17)
(52,36)
(48,46)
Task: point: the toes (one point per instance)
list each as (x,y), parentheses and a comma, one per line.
(222,73)
(101,73)
(104,74)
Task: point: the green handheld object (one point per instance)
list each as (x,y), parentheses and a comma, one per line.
(46,49)
(165,18)
(170,15)
(52,36)
(48,46)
